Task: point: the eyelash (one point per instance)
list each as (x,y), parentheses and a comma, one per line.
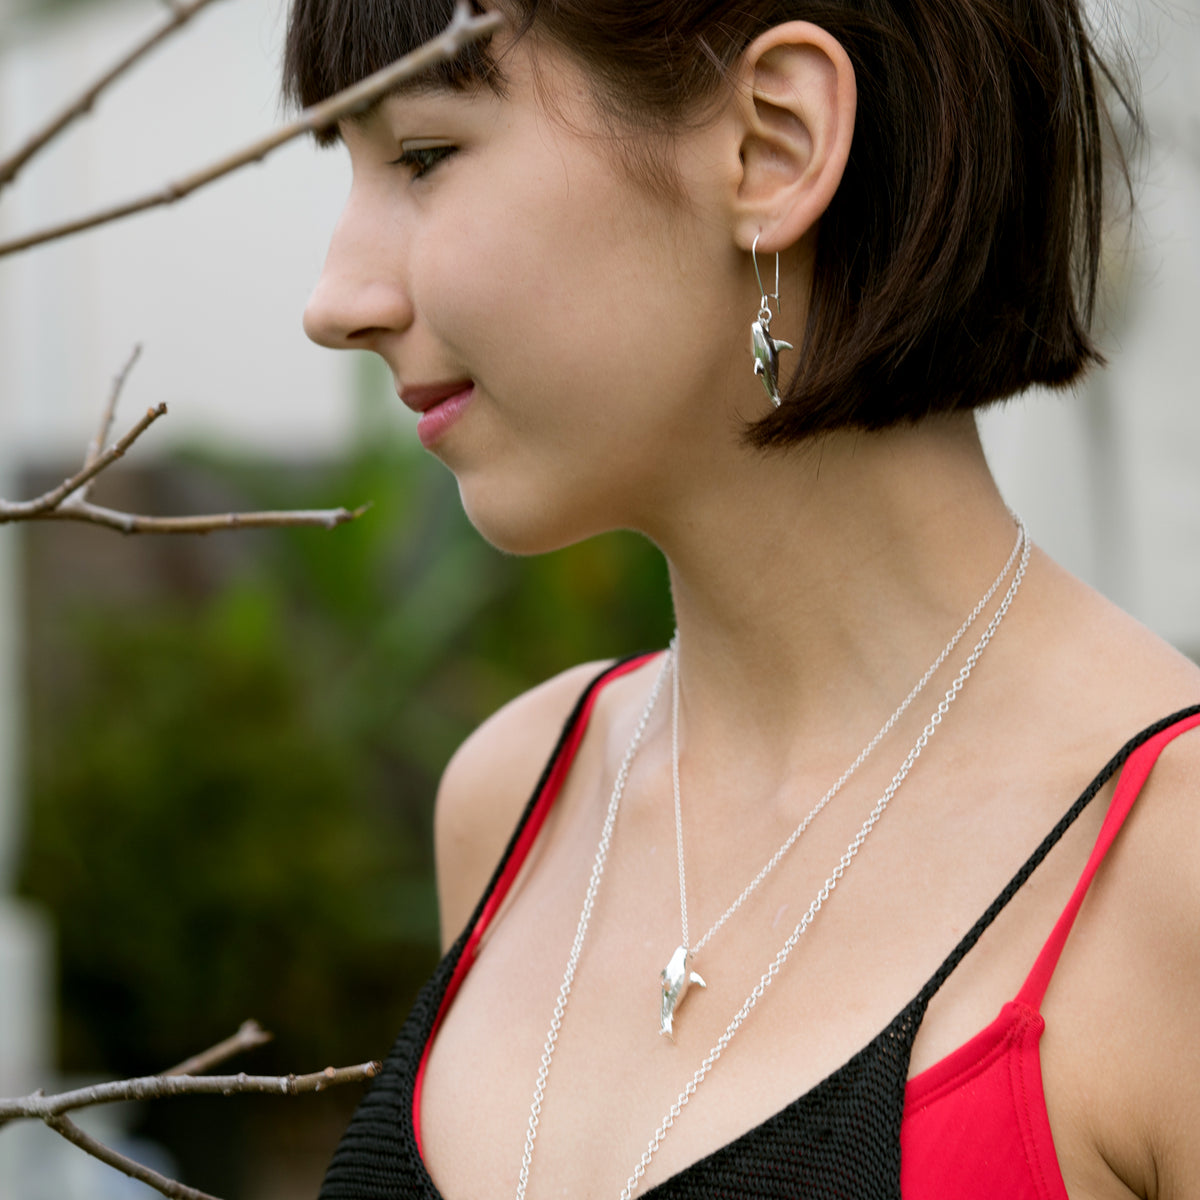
(421,161)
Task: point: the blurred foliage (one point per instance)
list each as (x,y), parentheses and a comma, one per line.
(231,793)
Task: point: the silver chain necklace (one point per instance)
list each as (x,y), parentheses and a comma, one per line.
(589,901)
(677,977)
(827,887)
(776,965)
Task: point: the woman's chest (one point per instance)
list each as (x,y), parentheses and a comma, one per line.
(790,994)
(752,1113)
(613,1078)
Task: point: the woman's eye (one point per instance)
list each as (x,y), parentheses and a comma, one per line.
(420,160)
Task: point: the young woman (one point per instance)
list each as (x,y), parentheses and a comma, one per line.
(737,275)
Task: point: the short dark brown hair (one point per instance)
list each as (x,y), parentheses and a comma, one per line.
(957,263)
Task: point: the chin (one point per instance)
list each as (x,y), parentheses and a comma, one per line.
(522,525)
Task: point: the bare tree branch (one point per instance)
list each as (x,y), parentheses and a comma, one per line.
(250,1036)
(181,14)
(50,1109)
(106,1154)
(462,30)
(37,1106)
(68,501)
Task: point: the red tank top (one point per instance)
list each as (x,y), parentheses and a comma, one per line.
(973,1126)
(975,1123)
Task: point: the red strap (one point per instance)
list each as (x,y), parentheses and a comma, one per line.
(512,867)
(1129,787)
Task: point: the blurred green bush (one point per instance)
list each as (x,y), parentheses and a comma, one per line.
(231,792)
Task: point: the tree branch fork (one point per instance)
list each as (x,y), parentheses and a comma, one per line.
(187,1079)
(69,500)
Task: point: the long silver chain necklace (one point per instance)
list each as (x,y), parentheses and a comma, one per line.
(677,977)
(589,901)
(776,965)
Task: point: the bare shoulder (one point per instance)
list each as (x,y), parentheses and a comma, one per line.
(1152,906)
(1122,1014)
(486,785)
(1161,863)
(1157,858)
(1161,858)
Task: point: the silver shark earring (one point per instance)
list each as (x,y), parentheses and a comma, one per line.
(763,346)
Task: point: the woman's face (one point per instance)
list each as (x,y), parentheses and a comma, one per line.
(576,346)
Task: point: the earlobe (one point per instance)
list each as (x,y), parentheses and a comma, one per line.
(796,108)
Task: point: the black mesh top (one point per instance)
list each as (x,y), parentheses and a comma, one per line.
(839,1141)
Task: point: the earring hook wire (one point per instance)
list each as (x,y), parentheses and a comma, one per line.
(762,290)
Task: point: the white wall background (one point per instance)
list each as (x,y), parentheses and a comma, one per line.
(1109,478)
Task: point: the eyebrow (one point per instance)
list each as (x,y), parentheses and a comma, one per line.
(418,87)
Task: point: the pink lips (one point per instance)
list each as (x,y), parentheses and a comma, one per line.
(440,405)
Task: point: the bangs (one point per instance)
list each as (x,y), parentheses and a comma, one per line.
(332,44)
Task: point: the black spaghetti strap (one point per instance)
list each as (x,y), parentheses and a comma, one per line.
(1036,858)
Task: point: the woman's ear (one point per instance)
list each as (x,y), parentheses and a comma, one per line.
(795,108)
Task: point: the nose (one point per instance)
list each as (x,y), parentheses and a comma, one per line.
(360,297)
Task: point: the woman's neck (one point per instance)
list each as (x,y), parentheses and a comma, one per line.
(820,583)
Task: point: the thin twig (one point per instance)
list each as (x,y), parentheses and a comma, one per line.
(51,502)
(108,416)
(94,514)
(462,30)
(181,14)
(249,1036)
(106,1154)
(38,1106)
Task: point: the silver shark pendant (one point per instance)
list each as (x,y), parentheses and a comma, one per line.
(766,349)
(676,979)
